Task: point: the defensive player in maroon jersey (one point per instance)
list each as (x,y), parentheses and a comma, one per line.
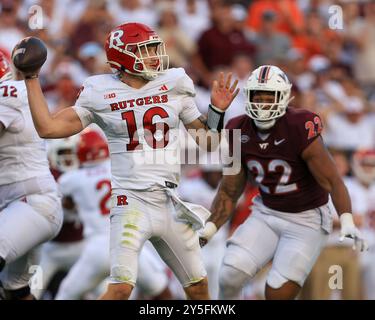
(282,150)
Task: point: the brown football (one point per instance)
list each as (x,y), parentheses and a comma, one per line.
(29,55)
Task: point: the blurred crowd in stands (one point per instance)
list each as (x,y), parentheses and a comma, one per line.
(326,47)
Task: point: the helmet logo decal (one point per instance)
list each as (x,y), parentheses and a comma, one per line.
(115,39)
(263,74)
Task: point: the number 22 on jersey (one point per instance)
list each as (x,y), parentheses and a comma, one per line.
(282,185)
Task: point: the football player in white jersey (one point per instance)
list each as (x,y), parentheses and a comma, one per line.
(30,207)
(62,252)
(89,190)
(139,109)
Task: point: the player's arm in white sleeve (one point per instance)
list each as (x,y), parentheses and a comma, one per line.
(206,130)
(63,124)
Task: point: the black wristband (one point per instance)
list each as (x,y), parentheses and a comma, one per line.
(215,119)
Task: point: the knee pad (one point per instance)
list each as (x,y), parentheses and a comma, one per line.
(231,282)
(275,280)
(2,264)
(241,260)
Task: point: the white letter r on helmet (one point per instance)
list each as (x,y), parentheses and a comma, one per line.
(115,37)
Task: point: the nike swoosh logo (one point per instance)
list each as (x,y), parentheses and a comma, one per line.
(278,142)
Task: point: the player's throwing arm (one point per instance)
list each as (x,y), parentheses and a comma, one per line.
(28,57)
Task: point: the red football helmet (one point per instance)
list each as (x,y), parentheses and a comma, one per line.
(363,165)
(5,71)
(127,49)
(92,147)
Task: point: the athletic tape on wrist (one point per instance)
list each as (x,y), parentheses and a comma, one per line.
(215,118)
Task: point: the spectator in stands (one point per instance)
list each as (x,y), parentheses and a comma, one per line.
(179,46)
(352,128)
(364,35)
(92,58)
(132,11)
(271,45)
(194,18)
(214,43)
(10,28)
(290,17)
(94,17)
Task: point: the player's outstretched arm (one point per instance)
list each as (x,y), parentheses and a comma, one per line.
(63,124)
(224,204)
(206,130)
(28,57)
(323,168)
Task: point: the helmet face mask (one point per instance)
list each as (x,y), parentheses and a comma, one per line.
(67,160)
(129,48)
(62,154)
(144,54)
(268,95)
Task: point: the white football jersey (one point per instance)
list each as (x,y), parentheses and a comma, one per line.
(141,125)
(22,152)
(90,188)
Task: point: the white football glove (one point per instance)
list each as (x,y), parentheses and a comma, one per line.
(206,233)
(349,230)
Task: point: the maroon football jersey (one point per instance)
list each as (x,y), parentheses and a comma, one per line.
(284,180)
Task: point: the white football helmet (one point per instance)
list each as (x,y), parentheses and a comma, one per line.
(62,153)
(273,79)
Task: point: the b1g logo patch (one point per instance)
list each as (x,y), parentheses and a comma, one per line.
(110,95)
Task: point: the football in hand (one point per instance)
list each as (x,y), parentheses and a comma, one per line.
(29,55)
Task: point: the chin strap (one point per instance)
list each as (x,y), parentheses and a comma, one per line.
(140,74)
(265,125)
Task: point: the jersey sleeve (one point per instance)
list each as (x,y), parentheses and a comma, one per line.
(83,105)
(189,109)
(309,127)
(184,84)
